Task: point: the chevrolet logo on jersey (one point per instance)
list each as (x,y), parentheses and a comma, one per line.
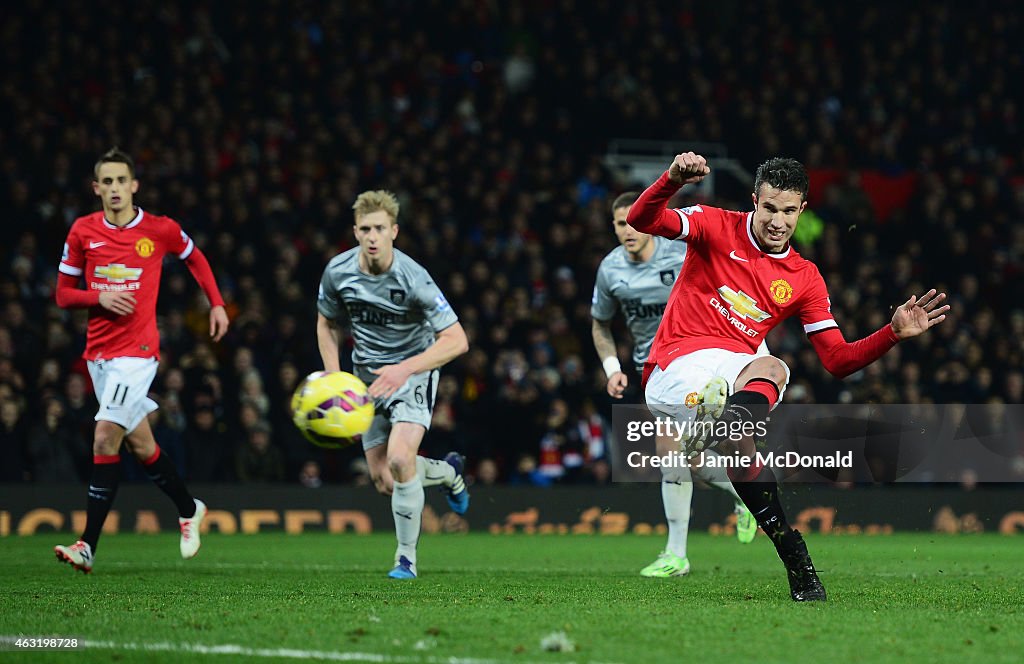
(743,305)
(117,273)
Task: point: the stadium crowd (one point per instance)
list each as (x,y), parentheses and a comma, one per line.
(255,126)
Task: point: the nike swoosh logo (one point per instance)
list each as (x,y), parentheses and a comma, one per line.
(405,515)
(93,245)
(732,255)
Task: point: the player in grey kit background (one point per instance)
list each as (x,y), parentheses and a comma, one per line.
(403,330)
(637,277)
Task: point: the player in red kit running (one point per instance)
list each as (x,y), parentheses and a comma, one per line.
(740,279)
(119,252)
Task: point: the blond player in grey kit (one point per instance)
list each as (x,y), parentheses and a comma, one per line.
(637,277)
(404,331)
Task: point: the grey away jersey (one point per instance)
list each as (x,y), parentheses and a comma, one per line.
(640,289)
(392,316)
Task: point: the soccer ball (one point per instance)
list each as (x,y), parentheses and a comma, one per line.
(331,408)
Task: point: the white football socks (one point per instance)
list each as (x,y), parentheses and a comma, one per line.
(676,494)
(433,472)
(407,508)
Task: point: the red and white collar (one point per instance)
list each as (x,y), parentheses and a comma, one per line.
(750,234)
(131,224)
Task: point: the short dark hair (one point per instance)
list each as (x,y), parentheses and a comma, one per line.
(784,174)
(114,155)
(625,199)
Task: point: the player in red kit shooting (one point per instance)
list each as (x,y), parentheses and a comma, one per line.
(740,279)
(119,252)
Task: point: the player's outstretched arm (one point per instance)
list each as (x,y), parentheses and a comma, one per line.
(912,318)
(328,340)
(649,214)
(449,344)
(604,344)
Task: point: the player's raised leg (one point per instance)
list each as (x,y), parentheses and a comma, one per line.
(758,389)
(432,472)
(160,468)
(449,474)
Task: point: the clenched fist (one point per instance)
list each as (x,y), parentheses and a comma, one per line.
(688,168)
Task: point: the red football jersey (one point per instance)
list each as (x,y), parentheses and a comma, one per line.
(127,258)
(730,294)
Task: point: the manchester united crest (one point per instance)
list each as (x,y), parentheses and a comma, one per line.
(144,247)
(781,291)
(691,400)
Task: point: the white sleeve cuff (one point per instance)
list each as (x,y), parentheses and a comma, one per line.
(684,225)
(611,366)
(188,250)
(70,270)
(819,326)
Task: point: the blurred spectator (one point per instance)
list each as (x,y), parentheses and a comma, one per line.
(557,454)
(593,432)
(487,472)
(207,449)
(169,425)
(12,441)
(80,411)
(444,423)
(309,476)
(528,474)
(601,472)
(53,448)
(258,460)
(297,450)
(360,472)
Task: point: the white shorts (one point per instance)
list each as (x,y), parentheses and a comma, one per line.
(412,402)
(122,388)
(673,392)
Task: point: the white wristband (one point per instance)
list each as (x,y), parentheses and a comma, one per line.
(611,366)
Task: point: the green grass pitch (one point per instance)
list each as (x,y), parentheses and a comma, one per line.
(486,599)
